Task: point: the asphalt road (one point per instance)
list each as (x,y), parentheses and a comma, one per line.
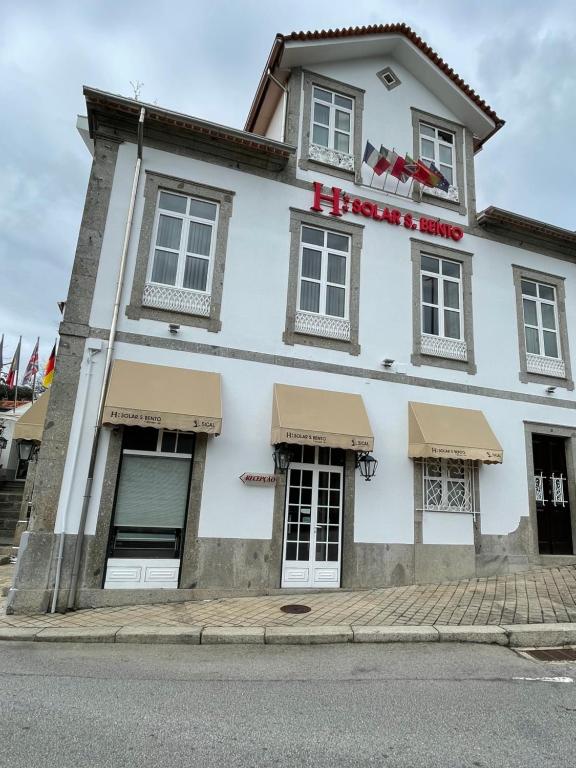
(389,706)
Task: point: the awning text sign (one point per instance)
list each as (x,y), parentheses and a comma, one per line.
(338,203)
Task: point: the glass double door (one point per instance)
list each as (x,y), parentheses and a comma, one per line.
(313,526)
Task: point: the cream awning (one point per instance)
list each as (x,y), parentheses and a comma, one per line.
(440,431)
(145,395)
(320,417)
(30,425)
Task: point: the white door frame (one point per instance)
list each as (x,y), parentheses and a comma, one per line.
(312,573)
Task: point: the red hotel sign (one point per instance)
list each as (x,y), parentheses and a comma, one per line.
(340,203)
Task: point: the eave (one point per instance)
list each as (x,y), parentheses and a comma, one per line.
(521,229)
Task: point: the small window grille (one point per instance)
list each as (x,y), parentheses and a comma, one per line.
(448,485)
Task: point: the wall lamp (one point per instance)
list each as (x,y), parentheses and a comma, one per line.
(388,362)
(26,449)
(173,328)
(281,457)
(550,390)
(367,464)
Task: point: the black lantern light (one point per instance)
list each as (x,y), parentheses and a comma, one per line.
(281,457)
(3,443)
(26,450)
(367,464)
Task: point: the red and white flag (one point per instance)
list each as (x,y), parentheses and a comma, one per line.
(12,377)
(32,367)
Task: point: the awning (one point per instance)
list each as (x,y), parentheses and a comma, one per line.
(440,431)
(320,417)
(144,395)
(30,426)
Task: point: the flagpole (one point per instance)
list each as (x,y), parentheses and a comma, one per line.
(17,373)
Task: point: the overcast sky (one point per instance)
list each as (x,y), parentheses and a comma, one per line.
(205,59)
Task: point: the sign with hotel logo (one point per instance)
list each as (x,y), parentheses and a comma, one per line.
(337,203)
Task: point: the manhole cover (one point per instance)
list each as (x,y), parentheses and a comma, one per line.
(295,608)
(553,654)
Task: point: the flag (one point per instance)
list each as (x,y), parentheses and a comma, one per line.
(420,172)
(32,367)
(12,378)
(374,159)
(444,184)
(1,354)
(49,370)
(395,164)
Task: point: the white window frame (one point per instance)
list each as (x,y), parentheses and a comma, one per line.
(539,328)
(182,251)
(323,281)
(440,306)
(438,142)
(332,130)
(444,479)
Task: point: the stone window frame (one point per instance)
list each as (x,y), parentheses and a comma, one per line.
(299,217)
(558,283)
(460,147)
(309,80)
(418,248)
(418,494)
(155,182)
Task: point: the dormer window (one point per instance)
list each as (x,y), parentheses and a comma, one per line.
(332,120)
(437,146)
(331,127)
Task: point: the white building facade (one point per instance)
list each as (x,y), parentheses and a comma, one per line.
(278,296)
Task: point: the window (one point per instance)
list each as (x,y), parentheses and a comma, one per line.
(180,264)
(322,307)
(542,329)
(389,78)
(152,494)
(442,317)
(332,120)
(183,243)
(324,272)
(448,485)
(540,319)
(437,146)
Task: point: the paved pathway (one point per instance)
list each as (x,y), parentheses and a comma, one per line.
(546,595)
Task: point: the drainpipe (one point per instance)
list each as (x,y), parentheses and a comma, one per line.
(106,376)
(284,100)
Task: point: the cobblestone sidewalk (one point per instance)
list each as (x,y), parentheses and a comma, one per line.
(546,595)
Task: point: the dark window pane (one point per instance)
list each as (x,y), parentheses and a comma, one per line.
(294,495)
(196,273)
(335,497)
(430,264)
(322,514)
(313,236)
(530,314)
(451,294)
(169,230)
(429,289)
(546,292)
(311,263)
(324,480)
(323,497)
(309,296)
(304,533)
(342,101)
(140,439)
(295,476)
(450,269)
(323,455)
(430,320)
(320,552)
(338,242)
(308,454)
(185,442)
(199,237)
(203,210)
(321,114)
(548,318)
(334,516)
(451,324)
(306,478)
(291,532)
(319,93)
(341,142)
(338,457)
(532,341)
(175,203)
(165,266)
(306,496)
(290,550)
(321,534)
(550,344)
(332,553)
(447,172)
(335,480)
(335,298)
(304,551)
(336,269)
(333,533)
(445,136)
(320,135)
(169,442)
(528,288)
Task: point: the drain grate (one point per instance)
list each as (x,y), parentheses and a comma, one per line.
(295,609)
(552,654)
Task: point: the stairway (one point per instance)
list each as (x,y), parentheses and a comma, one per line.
(11,492)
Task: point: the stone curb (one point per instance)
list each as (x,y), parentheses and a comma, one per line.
(515,636)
